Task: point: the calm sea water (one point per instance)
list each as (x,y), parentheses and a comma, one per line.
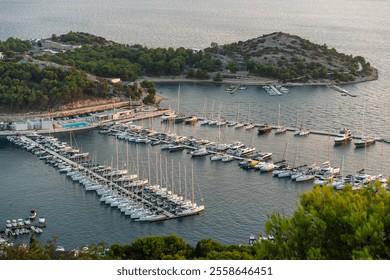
(237,202)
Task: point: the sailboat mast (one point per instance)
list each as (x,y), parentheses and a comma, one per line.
(160,167)
(173,188)
(149,177)
(157,168)
(192,184)
(180,191)
(166,172)
(185,181)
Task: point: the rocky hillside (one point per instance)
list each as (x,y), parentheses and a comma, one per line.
(291,58)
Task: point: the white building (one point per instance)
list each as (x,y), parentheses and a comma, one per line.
(1,55)
(19,126)
(115,114)
(46,124)
(33,124)
(48,44)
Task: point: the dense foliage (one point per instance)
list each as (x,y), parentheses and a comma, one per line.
(14,45)
(333,225)
(79,38)
(128,62)
(26,85)
(277,55)
(327,225)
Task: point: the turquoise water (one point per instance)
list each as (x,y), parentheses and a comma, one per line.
(75,125)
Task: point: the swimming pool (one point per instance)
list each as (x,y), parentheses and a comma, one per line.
(75,125)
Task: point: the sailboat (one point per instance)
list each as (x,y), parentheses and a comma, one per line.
(189,207)
(249,124)
(301,131)
(364,141)
(204,119)
(280,129)
(179,118)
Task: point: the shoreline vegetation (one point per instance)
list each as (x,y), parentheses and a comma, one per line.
(80,71)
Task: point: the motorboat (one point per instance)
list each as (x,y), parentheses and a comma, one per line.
(231,88)
(249,126)
(239,125)
(176,148)
(199,152)
(281,130)
(20,222)
(8,224)
(269,166)
(168,116)
(264,128)
(243,87)
(301,132)
(36,229)
(227,158)
(216,157)
(244,151)
(191,120)
(60,249)
(343,136)
(33,214)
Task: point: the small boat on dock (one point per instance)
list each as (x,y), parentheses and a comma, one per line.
(232,88)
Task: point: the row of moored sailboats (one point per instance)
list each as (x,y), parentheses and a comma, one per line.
(128,193)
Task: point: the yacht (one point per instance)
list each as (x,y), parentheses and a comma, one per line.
(242,87)
(281,130)
(199,152)
(33,214)
(191,120)
(168,116)
(343,136)
(265,128)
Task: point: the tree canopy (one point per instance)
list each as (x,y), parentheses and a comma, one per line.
(332,225)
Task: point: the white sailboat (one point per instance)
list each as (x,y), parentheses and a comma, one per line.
(301,131)
(364,141)
(280,129)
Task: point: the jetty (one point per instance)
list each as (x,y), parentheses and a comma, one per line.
(343,91)
(270,90)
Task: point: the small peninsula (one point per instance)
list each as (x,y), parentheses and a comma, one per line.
(79,69)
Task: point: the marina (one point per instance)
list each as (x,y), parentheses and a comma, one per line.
(249,158)
(238,201)
(144,204)
(169,139)
(15,227)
